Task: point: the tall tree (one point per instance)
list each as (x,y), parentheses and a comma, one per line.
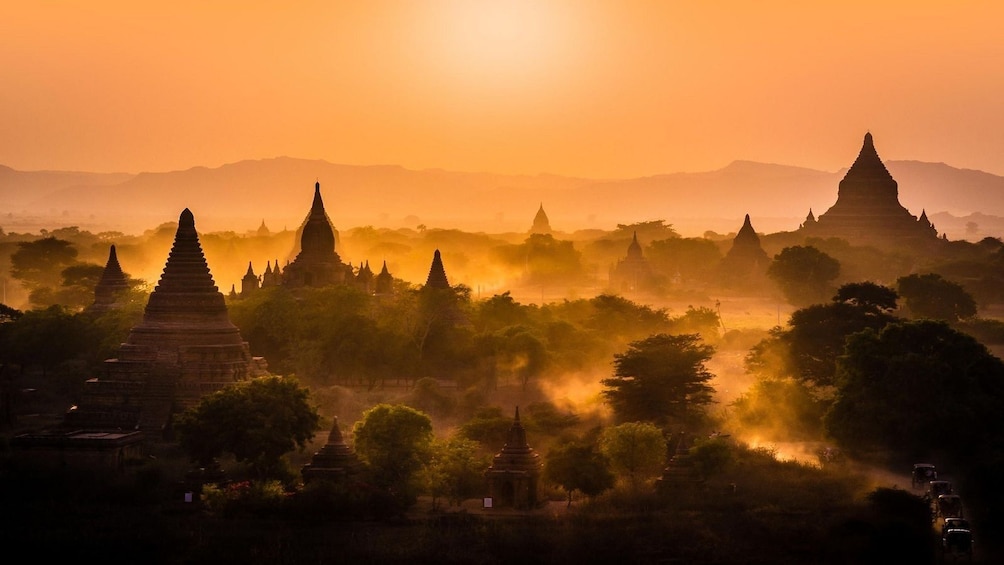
(576,466)
(661,379)
(804,274)
(258,421)
(396,442)
(917,389)
(932,296)
(634,448)
(39,264)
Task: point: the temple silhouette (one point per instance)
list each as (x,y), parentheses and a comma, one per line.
(868,211)
(316,262)
(184,348)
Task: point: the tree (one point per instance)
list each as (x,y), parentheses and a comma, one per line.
(634,448)
(918,388)
(576,466)
(396,442)
(868,295)
(661,378)
(931,296)
(457,470)
(804,274)
(258,421)
(39,263)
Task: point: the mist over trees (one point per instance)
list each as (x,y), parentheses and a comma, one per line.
(452,362)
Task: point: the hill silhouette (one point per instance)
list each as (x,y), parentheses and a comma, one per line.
(240,195)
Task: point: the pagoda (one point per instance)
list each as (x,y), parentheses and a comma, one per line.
(515,472)
(111,287)
(250,282)
(184,348)
(317,263)
(333,462)
(541,225)
(867,211)
(437,273)
(384,281)
(746,257)
(633,272)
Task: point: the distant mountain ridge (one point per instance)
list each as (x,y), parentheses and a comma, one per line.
(240,195)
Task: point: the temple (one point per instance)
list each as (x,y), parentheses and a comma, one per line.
(541,225)
(746,257)
(633,272)
(111,287)
(184,348)
(335,461)
(317,263)
(679,469)
(437,273)
(384,284)
(514,472)
(867,211)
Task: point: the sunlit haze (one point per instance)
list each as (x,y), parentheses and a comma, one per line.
(592,89)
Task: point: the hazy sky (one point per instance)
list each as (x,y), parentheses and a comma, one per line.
(587,88)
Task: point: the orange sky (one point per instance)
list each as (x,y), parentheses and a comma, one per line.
(597,89)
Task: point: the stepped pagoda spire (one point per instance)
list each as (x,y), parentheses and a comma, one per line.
(437,273)
(334,461)
(316,263)
(185,347)
(384,281)
(514,472)
(250,282)
(186,307)
(111,286)
(541,225)
(634,250)
(867,210)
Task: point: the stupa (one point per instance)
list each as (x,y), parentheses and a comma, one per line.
(633,272)
(515,471)
(437,273)
(541,225)
(867,211)
(746,258)
(317,263)
(184,348)
(333,462)
(384,282)
(250,282)
(111,287)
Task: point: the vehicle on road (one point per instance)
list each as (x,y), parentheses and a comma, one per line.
(949,506)
(923,473)
(957,543)
(938,488)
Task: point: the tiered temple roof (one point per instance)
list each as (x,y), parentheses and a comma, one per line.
(867,210)
(633,272)
(185,347)
(437,273)
(334,461)
(514,472)
(111,287)
(384,281)
(541,225)
(317,263)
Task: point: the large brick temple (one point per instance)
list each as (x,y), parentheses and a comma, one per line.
(184,348)
(867,210)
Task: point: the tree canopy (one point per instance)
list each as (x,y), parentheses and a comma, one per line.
(577,466)
(396,442)
(258,421)
(804,274)
(932,296)
(660,379)
(918,388)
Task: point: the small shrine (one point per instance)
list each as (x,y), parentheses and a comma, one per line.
(515,472)
(680,469)
(111,287)
(333,462)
